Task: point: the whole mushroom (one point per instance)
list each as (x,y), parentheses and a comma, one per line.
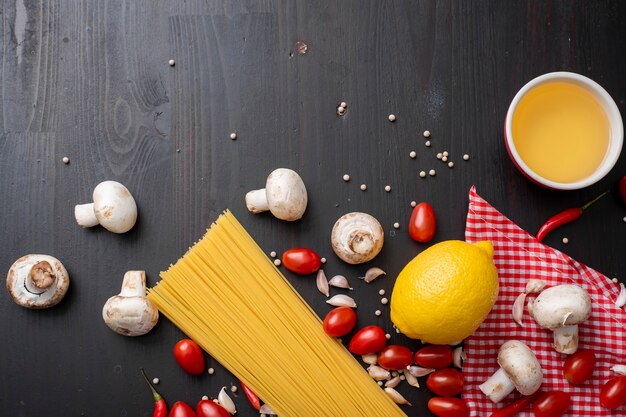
(357,237)
(113,207)
(561,309)
(37,281)
(131,313)
(519,369)
(284,195)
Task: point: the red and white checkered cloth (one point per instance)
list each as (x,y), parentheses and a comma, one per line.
(519,257)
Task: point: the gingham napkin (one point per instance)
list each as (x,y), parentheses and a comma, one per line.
(519,257)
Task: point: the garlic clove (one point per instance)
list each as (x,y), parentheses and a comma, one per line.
(535,286)
(266,409)
(418,371)
(396,396)
(619,369)
(226,402)
(529,306)
(393,382)
(518,309)
(621,298)
(341,300)
(373,273)
(378,373)
(411,379)
(458,356)
(339,281)
(370,359)
(322,283)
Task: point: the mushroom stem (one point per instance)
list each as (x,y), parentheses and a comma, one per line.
(566,339)
(256,201)
(361,242)
(498,386)
(85,215)
(134,284)
(42,275)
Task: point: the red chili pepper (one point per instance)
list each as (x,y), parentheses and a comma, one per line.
(252,397)
(515,407)
(564,217)
(160,409)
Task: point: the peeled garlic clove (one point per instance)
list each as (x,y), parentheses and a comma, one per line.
(535,285)
(339,281)
(322,283)
(393,382)
(411,379)
(396,396)
(265,409)
(619,369)
(373,273)
(621,298)
(529,306)
(518,308)
(378,373)
(458,356)
(226,402)
(341,300)
(370,359)
(418,371)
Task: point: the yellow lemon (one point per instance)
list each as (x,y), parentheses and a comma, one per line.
(445,292)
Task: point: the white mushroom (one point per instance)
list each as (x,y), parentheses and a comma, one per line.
(284,195)
(561,309)
(519,369)
(357,237)
(37,281)
(113,207)
(130,313)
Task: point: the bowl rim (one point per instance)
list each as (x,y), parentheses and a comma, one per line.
(615,121)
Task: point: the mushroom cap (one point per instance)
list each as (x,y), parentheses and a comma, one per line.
(286,194)
(130,316)
(37,281)
(561,305)
(357,237)
(521,366)
(114,206)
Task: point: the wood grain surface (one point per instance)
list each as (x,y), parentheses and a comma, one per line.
(90,80)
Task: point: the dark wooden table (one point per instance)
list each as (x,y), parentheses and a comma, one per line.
(91,81)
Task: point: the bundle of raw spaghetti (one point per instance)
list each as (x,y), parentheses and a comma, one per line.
(229,297)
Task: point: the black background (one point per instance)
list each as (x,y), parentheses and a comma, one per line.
(91,81)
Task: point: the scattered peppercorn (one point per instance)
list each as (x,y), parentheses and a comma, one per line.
(466,157)
(423,175)
(432,172)
(413,203)
(66,160)
(233,135)
(392,118)
(412,154)
(363,187)
(396,225)
(427,143)
(346,177)
(426,133)
(277,262)
(388,188)
(171,62)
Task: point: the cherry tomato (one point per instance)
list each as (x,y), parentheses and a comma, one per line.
(395,357)
(368,340)
(434,356)
(181,409)
(189,356)
(551,404)
(448,407)
(578,367)
(445,382)
(207,408)
(339,321)
(423,224)
(613,393)
(302,261)
(622,188)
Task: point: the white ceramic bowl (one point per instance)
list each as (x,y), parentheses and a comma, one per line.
(615,124)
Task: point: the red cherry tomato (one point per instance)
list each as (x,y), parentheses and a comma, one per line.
(180,409)
(395,357)
(339,321)
(368,340)
(423,224)
(448,407)
(434,356)
(613,393)
(551,404)
(578,367)
(445,382)
(206,408)
(302,261)
(189,356)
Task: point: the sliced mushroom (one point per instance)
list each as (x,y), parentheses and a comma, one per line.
(357,237)
(113,207)
(561,309)
(37,281)
(130,313)
(519,369)
(284,195)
